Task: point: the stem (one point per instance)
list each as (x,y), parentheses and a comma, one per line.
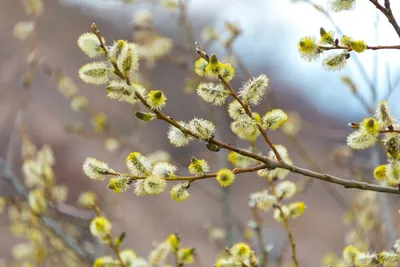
(355,125)
(194,178)
(286,224)
(378,47)
(109,239)
(291,239)
(387,11)
(116,250)
(260,237)
(303,153)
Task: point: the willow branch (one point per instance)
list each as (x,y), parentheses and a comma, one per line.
(355,125)
(356,60)
(194,178)
(270,164)
(232,92)
(387,11)
(378,47)
(290,235)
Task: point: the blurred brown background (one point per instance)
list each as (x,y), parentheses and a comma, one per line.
(148,219)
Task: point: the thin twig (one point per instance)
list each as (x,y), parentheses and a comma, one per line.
(378,47)
(260,237)
(248,112)
(387,11)
(194,178)
(110,241)
(186,25)
(290,235)
(356,60)
(232,92)
(303,153)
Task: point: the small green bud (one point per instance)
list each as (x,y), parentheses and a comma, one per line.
(393,147)
(213,59)
(157,95)
(145,116)
(120,239)
(322,31)
(326,37)
(213,147)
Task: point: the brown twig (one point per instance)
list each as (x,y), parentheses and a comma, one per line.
(228,86)
(356,60)
(194,178)
(378,47)
(109,240)
(286,223)
(387,11)
(355,125)
(290,235)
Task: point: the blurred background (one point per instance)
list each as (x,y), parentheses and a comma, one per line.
(267,43)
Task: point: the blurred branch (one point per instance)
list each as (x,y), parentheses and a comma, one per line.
(6,172)
(386,216)
(46,221)
(335,134)
(186,25)
(260,237)
(303,153)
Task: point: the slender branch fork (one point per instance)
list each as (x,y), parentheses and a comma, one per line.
(245,107)
(270,164)
(387,11)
